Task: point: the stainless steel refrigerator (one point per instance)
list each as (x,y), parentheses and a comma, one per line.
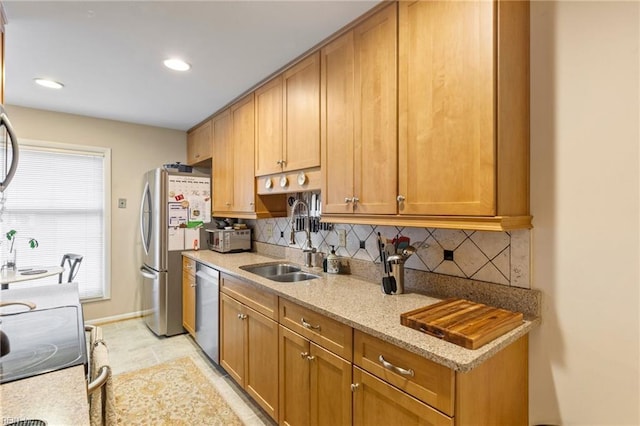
(173,207)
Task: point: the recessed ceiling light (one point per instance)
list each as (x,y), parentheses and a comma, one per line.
(177,64)
(48,83)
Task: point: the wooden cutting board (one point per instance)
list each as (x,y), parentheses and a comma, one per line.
(462,322)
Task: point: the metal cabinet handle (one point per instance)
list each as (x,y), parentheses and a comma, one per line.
(304,354)
(242,316)
(354,386)
(400,198)
(348,200)
(305,324)
(395,368)
(355,200)
(279,162)
(310,357)
(228,204)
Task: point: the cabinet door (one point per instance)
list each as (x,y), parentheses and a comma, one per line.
(376,402)
(223,166)
(294,378)
(261,344)
(375,156)
(242,115)
(302,114)
(189,301)
(337,124)
(199,144)
(330,388)
(359,124)
(446,108)
(232,338)
(269,119)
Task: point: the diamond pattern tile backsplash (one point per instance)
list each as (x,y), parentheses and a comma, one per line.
(496,257)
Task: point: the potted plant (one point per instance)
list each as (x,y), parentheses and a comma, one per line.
(10,263)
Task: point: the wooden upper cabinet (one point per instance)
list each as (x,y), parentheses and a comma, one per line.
(358,118)
(234,193)
(223,164)
(269,120)
(301,85)
(233,187)
(454,110)
(200,144)
(242,116)
(288,119)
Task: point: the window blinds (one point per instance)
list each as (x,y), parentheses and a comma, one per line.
(58,198)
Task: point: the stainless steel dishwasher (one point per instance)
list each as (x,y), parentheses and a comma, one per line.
(207,299)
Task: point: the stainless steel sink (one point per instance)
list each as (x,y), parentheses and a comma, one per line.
(293,277)
(280,272)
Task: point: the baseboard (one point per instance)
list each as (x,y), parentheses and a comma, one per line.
(115,318)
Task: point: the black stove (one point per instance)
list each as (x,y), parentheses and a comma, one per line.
(41,340)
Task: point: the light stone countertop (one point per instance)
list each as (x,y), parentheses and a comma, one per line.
(362,305)
(59,398)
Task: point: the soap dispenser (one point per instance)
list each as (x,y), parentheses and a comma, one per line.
(333,262)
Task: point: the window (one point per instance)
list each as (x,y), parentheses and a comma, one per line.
(60,196)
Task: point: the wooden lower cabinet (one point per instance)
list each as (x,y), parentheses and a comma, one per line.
(189,295)
(375,402)
(315,384)
(249,351)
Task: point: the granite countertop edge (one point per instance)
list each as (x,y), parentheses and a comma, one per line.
(335,295)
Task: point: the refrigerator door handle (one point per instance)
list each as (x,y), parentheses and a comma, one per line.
(146,233)
(13,140)
(147,273)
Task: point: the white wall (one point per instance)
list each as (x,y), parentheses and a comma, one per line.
(134,150)
(584,365)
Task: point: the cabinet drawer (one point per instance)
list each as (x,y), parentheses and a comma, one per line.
(250,295)
(188,265)
(430,382)
(376,402)
(326,332)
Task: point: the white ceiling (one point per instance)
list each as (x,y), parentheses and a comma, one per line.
(109,54)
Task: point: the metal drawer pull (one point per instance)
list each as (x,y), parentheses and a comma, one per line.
(392,367)
(305,324)
(354,386)
(304,354)
(242,316)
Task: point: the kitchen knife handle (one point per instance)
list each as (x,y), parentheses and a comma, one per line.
(386,364)
(305,324)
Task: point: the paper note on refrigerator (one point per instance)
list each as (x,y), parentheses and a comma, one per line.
(175,238)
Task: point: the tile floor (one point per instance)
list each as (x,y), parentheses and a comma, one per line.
(133,346)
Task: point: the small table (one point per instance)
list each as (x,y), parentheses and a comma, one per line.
(27,274)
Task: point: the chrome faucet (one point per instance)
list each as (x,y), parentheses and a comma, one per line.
(308,248)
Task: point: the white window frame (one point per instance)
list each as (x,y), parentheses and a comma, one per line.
(106,170)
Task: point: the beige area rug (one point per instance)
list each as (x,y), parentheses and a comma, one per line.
(172,393)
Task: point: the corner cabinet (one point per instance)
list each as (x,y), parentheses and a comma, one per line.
(199,145)
(234,192)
